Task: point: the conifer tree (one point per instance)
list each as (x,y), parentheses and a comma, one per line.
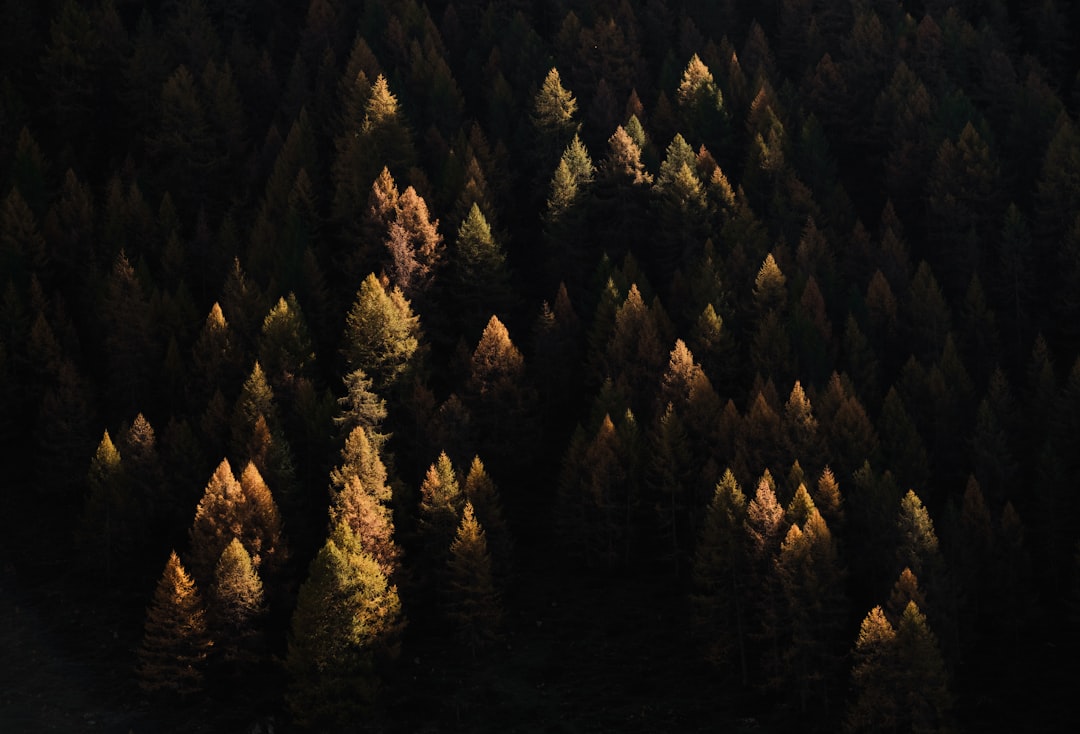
(441,503)
(381,334)
(175,639)
(473,602)
(215,354)
(719,576)
(237,607)
(481,491)
(874,677)
(478,281)
(347,622)
(500,399)
(236,509)
(553,111)
(360,407)
(359,508)
(285,349)
(918,549)
(103,533)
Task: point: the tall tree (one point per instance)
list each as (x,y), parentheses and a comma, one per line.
(719,577)
(236,612)
(347,622)
(473,602)
(478,282)
(175,639)
(381,333)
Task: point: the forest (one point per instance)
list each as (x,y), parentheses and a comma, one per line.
(554,366)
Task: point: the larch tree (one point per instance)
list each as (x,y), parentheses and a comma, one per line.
(473,602)
(104,533)
(478,281)
(175,640)
(285,348)
(236,610)
(215,354)
(481,491)
(441,503)
(553,111)
(236,509)
(361,407)
(415,252)
(359,508)
(918,548)
(381,334)
(499,396)
(346,624)
(874,677)
(719,576)
(360,457)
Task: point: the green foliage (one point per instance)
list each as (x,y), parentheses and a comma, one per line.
(381,334)
(347,622)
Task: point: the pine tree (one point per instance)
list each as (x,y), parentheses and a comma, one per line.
(473,602)
(175,639)
(347,621)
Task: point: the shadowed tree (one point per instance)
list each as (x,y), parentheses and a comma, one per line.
(719,576)
(472,601)
(441,503)
(236,613)
(175,639)
(477,284)
(499,397)
(105,532)
(481,491)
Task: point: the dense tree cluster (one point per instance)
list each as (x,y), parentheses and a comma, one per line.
(443,347)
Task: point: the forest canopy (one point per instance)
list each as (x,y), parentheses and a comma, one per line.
(632,364)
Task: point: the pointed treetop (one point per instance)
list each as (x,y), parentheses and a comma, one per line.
(495,358)
(918,547)
(554,106)
(382,105)
(770,286)
(697,86)
(623,160)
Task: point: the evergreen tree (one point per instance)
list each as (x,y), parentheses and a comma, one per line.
(237,607)
(473,602)
(874,677)
(719,578)
(347,622)
(478,282)
(104,534)
(175,639)
(381,334)
(441,503)
(358,507)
